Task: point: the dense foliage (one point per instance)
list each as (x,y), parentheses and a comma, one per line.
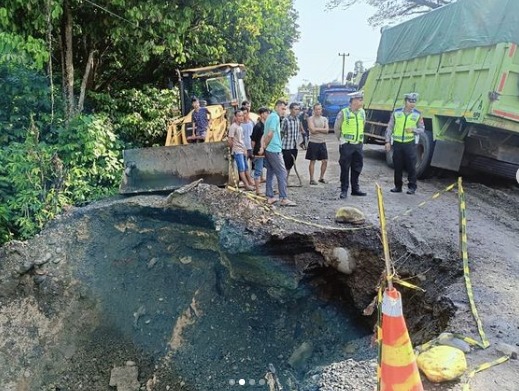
(80,80)
(140,116)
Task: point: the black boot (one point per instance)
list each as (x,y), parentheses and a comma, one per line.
(396,190)
(355,188)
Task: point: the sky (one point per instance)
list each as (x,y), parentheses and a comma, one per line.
(325,34)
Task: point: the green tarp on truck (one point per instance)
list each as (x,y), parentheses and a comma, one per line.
(463,60)
(463,24)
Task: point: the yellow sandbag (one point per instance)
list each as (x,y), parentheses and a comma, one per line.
(442,363)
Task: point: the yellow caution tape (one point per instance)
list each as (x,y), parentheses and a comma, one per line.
(383,230)
(446,336)
(482,367)
(466,271)
(423,203)
(407,284)
(261,201)
(468,284)
(327,227)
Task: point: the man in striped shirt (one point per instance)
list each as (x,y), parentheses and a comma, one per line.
(291,128)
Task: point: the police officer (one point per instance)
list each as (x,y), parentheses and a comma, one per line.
(349,129)
(405,124)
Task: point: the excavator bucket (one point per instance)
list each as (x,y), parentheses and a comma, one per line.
(168,168)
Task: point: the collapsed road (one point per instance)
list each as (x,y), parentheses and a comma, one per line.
(209,290)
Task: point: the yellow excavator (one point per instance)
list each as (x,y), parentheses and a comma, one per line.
(185,158)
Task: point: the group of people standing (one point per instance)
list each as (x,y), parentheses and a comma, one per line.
(272,143)
(266,150)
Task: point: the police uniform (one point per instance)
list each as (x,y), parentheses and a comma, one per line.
(403,143)
(349,129)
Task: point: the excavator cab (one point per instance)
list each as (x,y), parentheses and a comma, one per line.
(221,87)
(186,158)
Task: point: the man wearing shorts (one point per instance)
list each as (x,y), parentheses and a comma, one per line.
(237,145)
(316,150)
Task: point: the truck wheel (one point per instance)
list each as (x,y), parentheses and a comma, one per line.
(389,158)
(424,153)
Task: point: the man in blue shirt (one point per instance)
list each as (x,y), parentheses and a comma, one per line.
(201,120)
(274,163)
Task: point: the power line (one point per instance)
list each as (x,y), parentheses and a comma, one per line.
(123,19)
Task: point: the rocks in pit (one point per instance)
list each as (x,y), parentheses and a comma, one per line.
(448,339)
(508,350)
(125,378)
(301,355)
(341,259)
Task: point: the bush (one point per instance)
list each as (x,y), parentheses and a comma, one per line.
(47,162)
(91,156)
(38,179)
(28,194)
(25,97)
(139,117)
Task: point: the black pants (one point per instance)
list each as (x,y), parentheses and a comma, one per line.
(351,157)
(404,157)
(289,157)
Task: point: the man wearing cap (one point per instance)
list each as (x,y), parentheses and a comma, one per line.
(405,123)
(349,129)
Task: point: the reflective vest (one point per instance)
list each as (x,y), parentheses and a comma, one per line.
(352,128)
(403,121)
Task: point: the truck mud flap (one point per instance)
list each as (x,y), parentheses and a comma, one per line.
(168,168)
(448,154)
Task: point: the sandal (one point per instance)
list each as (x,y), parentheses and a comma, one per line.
(272,201)
(322,180)
(287,202)
(312,182)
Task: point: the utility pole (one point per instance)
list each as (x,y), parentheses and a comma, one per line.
(343,55)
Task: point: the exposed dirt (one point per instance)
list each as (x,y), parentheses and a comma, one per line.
(206,289)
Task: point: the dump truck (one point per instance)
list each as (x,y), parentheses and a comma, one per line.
(185,158)
(333,98)
(463,60)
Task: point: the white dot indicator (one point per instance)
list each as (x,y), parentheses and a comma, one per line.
(517,176)
(252,382)
(232,382)
(241,382)
(261,382)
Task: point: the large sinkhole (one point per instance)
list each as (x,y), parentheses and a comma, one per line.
(202,317)
(199,305)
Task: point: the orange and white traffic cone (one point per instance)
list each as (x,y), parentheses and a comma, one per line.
(398,370)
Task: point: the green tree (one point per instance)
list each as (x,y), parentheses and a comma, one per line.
(65,148)
(391,10)
(261,34)
(121,44)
